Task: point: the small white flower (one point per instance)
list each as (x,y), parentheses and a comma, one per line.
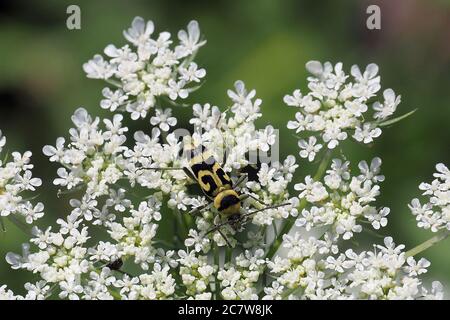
(347,226)
(295,100)
(199,242)
(309,218)
(366,134)
(37,291)
(355,107)
(189,40)
(388,107)
(98,68)
(163,119)
(378,218)
(114,99)
(299,125)
(415,268)
(313,191)
(27,182)
(274,292)
(333,135)
(55,153)
(176,89)
(368,83)
(139,32)
(192,73)
(310,148)
(434,214)
(266,138)
(372,172)
(33,213)
(240,95)
(70,289)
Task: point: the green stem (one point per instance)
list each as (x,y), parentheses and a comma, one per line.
(288,292)
(392,121)
(275,229)
(114,82)
(2,224)
(180,228)
(285,230)
(115,294)
(187,220)
(289,223)
(50,291)
(442,235)
(266,240)
(216,262)
(323,166)
(19,224)
(228,254)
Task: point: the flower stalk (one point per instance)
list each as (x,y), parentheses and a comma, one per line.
(290,222)
(441,235)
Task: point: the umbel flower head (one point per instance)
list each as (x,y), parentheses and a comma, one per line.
(338,106)
(16,185)
(341,200)
(117,241)
(434,214)
(148,69)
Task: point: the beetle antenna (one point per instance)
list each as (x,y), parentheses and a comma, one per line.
(220,225)
(266,208)
(225,238)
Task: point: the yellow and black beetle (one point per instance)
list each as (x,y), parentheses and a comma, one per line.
(218,187)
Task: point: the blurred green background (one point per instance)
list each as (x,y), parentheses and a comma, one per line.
(266,44)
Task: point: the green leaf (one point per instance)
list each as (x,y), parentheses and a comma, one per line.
(395,120)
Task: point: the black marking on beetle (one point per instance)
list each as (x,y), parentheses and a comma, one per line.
(209,180)
(116,264)
(228,201)
(223,176)
(197,167)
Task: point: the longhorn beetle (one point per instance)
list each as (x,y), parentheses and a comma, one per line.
(218,188)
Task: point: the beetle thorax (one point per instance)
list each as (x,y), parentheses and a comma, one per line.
(227,202)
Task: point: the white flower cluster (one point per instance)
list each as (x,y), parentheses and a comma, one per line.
(341,200)
(314,264)
(157,285)
(314,269)
(64,258)
(196,275)
(335,108)
(114,244)
(434,214)
(231,137)
(96,160)
(37,291)
(16,183)
(150,69)
(92,157)
(239,280)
